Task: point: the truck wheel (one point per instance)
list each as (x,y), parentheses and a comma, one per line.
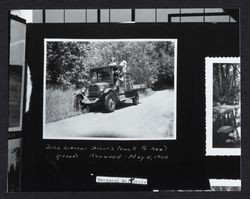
(78,106)
(135,100)
(110,102)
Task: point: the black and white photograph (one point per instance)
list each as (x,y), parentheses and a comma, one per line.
(16,74)
(110,89)
(15,96)
(220,185)
(223,106)
(14,164)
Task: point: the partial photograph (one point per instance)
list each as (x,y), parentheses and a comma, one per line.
(14,164)
(221,185)
(15,96)
(16,74)
(110,89)
(223,106)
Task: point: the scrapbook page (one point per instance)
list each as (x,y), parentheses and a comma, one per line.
(142,106)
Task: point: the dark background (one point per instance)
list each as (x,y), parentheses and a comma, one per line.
(187,167)
(210,163)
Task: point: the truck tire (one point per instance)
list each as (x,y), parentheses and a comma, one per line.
(78,106)
(110,102)
(136,99)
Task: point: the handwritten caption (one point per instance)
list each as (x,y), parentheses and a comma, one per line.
(136,153)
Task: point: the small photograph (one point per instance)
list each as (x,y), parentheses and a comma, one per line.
(221,185)
(16,74)
(223,106)
(15,95)
(110,89)
(14,160)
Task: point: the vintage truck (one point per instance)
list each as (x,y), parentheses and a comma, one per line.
(109,86)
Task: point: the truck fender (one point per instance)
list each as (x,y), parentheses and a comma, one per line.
(80,94)
(107,90)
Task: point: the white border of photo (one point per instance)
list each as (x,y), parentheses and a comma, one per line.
(210,150)
(18,45)
(101,138)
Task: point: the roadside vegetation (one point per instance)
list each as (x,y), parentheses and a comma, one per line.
(64,109)
(59,104)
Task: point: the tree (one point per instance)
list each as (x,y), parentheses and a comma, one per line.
(226,83)
(68,63)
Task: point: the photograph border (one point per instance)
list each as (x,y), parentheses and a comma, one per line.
(19,128)
(210,151)
(110,139)
(225,183)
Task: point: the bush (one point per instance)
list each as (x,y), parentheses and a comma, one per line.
(59,104)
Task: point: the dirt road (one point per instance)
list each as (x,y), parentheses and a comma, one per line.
(152,118)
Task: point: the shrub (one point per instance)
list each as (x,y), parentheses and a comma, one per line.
(59,104)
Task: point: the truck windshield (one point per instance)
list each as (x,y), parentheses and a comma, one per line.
(100,75)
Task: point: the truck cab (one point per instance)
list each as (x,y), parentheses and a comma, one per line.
(109,86)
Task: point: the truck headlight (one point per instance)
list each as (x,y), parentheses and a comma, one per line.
(102,89)
(83,90)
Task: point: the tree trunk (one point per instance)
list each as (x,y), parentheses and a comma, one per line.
(220,80)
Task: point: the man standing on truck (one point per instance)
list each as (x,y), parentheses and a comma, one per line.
(119,73)
(123,64)
(123,70)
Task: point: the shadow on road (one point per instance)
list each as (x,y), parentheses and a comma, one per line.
(100,108)
(105,136)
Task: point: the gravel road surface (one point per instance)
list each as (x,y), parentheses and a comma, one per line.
(152,118)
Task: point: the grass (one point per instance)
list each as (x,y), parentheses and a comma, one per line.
(60,104)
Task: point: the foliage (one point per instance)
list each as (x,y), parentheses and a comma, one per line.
(226,84)
(57,111)
(68,63)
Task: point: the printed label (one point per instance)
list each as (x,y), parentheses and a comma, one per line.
(123,180)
